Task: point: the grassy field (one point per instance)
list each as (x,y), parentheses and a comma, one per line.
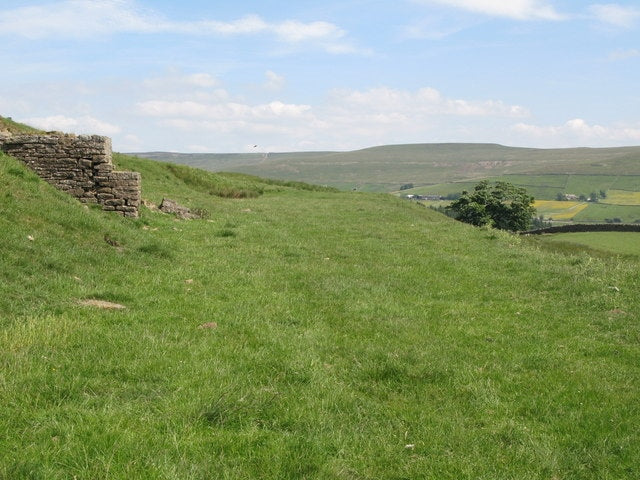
(622,197)
(599,211)
(555,210)
(617,243)
(297,332)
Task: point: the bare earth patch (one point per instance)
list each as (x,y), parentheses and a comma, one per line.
(101,304)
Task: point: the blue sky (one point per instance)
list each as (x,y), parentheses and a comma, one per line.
(213,76)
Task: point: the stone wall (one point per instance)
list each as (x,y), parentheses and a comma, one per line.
(586,227)
(79,165)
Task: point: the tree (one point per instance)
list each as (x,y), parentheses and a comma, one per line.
(502,205)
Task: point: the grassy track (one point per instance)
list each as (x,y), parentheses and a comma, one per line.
(301,333)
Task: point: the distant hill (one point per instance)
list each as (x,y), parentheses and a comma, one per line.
(386,168)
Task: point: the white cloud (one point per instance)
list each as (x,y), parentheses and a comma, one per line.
(624,54)
(425,101)
(76,18)
(516,9)
(578,132)
(175,80)
(294,31)
(274,81)
(347,119)
(431,28)
(90,18)
(230,111)
(616,15)
(85,124)
(201,80)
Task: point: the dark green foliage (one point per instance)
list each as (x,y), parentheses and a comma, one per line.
(540,222)
(503,206)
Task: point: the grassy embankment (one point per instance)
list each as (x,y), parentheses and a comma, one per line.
(304,334)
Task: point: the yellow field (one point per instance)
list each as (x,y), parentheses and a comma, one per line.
(558,210)
(622,197)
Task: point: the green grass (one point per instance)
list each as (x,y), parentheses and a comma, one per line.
(611,243)
(596,212)
(357,336)
(11,126)
(627,182)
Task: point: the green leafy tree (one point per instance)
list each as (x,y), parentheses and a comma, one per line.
(502,205)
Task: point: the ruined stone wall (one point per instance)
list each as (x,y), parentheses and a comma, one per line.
(79,165)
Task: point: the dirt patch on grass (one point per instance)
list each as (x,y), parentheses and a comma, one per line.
(90,302)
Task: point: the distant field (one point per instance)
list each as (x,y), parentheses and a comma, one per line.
(627,182)
(622,197)
(623,243)
(599,211)
(585,184)
(556,210)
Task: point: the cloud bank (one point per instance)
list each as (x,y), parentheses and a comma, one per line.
(81,19)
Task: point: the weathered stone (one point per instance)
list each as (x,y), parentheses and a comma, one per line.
(170,206)
(79,165)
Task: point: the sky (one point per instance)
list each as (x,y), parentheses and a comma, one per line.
(283,75)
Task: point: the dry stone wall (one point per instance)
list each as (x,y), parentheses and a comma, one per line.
(79,165)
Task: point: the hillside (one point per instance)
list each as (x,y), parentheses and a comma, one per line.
(300,332)
(386,168)
(8,126)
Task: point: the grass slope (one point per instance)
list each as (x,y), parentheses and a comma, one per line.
(7,125)
(304,334)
